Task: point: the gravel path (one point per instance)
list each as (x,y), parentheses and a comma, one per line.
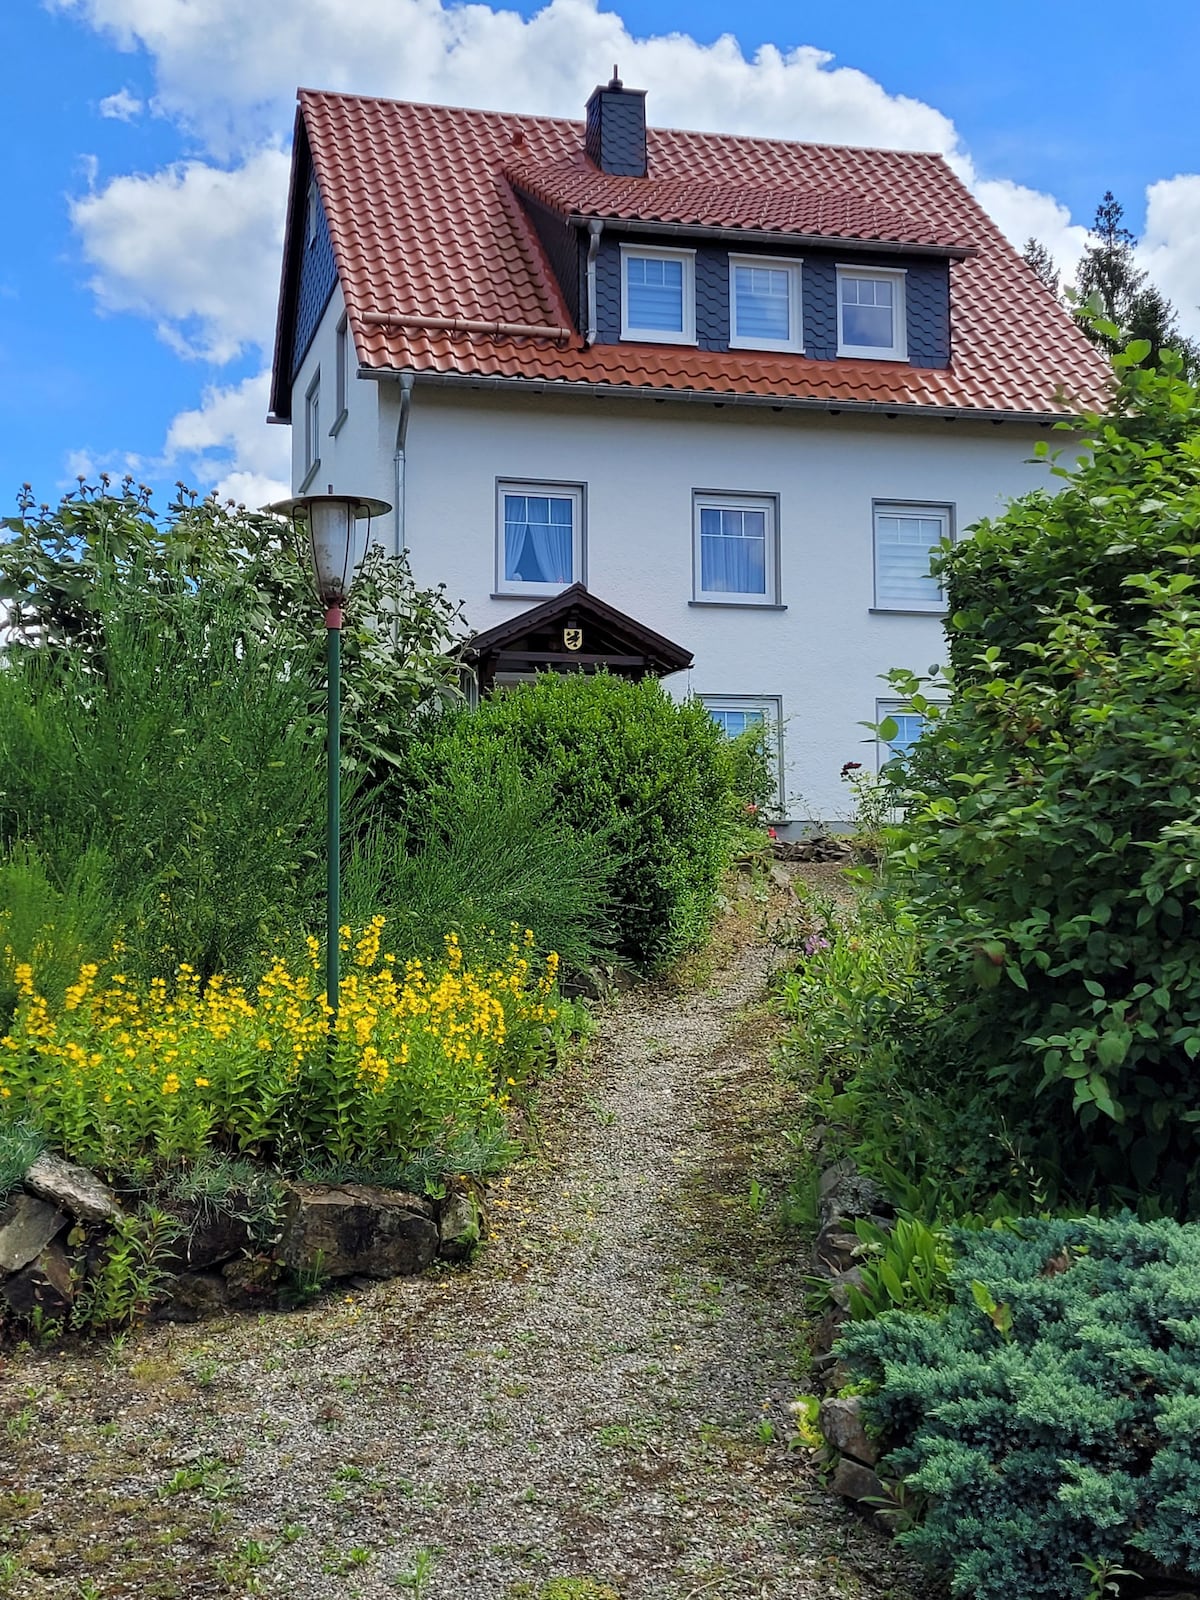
(600,1398)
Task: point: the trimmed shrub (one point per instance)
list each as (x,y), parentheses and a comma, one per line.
(1050,1415)
(651,779)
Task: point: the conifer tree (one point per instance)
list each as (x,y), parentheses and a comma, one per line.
(1109,275)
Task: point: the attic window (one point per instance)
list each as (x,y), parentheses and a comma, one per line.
(871,317)
(764,304)
(658,295)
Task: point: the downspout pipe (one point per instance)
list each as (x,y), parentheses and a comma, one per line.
(398,460)
(595,229)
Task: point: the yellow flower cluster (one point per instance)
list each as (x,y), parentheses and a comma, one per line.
(415,1055)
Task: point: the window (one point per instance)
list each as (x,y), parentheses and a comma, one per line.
(734,557)
(312,206)
(909,727)
(539,537)
(905,539)
(734,714)
(343,364)
(764,304)
(871,314)
(658,295)
(312,426)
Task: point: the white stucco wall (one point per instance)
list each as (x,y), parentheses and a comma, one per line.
(639,463)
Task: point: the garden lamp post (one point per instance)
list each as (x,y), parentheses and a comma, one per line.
(332,532)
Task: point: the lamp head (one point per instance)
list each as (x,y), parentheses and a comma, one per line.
(334,531)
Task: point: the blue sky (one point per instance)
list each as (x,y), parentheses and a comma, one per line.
(137,289)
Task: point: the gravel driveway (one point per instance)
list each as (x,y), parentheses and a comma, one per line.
(599,1398)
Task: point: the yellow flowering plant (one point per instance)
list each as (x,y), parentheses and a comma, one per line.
(417,1055)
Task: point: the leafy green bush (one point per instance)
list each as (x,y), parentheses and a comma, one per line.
(1053,832)
(650,779)
(1051,1414)
(50,928)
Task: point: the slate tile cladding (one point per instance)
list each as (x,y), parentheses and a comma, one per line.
(927,297)
(564,247)
(318,275)
(424,221)
(615,130)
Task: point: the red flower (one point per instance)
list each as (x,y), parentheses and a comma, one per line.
(850,766)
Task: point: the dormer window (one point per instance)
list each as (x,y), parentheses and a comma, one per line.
(658,295)
(871,318)
(764,304)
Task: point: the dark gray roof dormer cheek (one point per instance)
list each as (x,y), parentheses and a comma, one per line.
(318,276)
(927,296)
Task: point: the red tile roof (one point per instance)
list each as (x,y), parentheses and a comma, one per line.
(425,223)
(574,186)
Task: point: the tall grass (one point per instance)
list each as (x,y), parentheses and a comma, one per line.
(487,858)
(183,764)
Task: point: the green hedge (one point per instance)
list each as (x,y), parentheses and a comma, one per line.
(622,762)
(1050,1416)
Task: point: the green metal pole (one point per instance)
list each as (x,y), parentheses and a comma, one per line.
(333,753)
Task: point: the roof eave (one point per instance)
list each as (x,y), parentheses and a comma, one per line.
(774,236)
(714,397)
(281,377)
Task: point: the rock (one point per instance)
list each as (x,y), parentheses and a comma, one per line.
(828,1329)
(835,1249)
(854,1481)
(193,1297)
(845,1194)
(337,1230)
(460,1225)
(45,1285)
(840,1286)
(27,1226)
(73,1188)
(210,1238)
(250,1279)
(842,1425)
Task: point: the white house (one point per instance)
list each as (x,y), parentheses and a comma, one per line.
(736,388)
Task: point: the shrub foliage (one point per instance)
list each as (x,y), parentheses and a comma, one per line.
(1050,1415)
(622,763)
(1053,831)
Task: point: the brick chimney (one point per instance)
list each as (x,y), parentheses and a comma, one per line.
(615,140)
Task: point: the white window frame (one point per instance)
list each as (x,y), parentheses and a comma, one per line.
(312,429)
(559,491)
(944,511)
(341,373)
(771,705)
(793,267)
(732,500)
(640,252)
(894,708)
(899,347)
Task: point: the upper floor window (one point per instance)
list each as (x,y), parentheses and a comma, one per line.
(764,304)
(342,373)
(312,426)
(871,314)
(906,537)
(539,537)
(735,559)
(658,295)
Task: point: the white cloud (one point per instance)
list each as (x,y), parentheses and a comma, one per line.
(122,106)
(226,441)
(193,247)
(1170,248)
(229,70)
